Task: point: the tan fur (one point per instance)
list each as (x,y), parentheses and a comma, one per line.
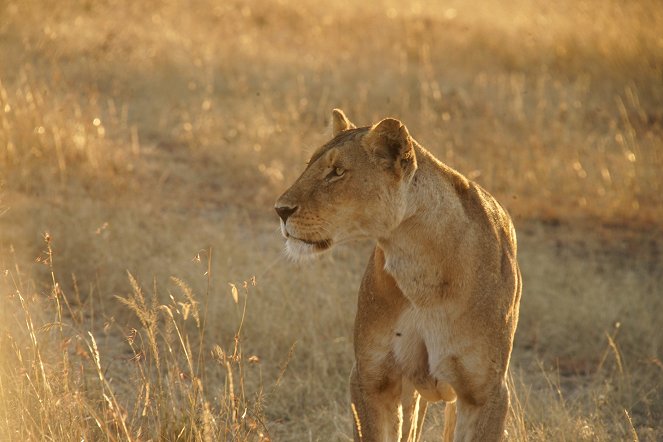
(438,304)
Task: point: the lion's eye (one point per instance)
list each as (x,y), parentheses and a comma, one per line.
(336,173)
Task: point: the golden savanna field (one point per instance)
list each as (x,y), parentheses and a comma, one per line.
(145,293)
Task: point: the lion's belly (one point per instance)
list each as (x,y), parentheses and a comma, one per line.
(423,346)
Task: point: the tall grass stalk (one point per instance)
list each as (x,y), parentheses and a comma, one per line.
(55,382)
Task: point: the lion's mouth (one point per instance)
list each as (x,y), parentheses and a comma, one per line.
(319,245)
(301,246)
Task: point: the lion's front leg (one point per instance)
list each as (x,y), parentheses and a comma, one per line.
(377,380)
(376,404)
(484,422)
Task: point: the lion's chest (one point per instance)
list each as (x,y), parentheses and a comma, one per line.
(427,338)
(424,285)
(423,332)
(423,344)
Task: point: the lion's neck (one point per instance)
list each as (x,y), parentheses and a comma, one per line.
(422,252)
(433,202)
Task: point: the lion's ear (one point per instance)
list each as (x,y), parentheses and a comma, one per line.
(390,141)
(340,122)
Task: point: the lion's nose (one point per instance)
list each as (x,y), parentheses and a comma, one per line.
(285,211)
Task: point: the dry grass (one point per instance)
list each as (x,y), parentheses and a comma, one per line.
(153,137)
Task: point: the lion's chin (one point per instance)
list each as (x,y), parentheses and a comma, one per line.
(300,250)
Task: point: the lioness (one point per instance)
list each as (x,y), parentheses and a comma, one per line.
(438,304)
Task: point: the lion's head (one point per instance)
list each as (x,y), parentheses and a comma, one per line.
(354,187)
